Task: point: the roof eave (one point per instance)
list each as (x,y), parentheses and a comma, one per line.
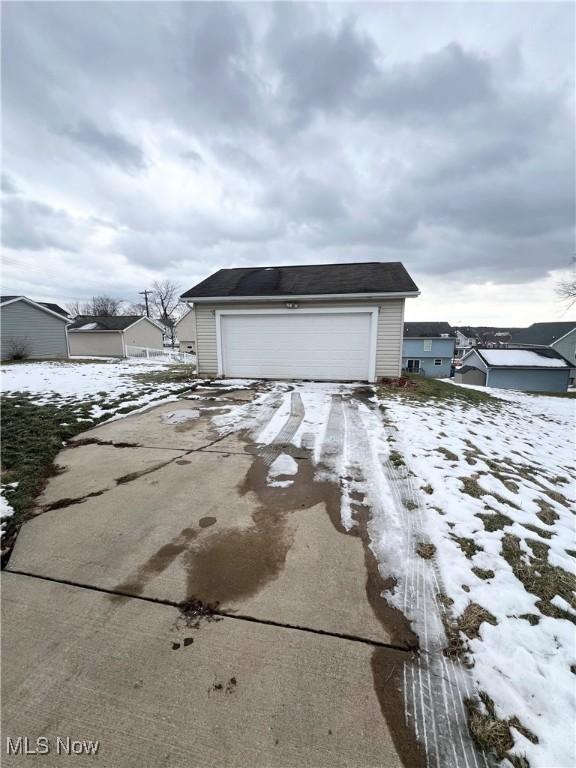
(303,297)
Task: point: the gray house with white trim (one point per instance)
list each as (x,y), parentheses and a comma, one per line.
(331,322)
(529,369)
(32,330)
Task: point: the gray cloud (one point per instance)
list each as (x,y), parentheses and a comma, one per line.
(285,132)
(111,146)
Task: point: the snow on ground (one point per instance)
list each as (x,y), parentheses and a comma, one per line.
(281,470)
(100,383)
(429,470)
(499,481)
(179,417)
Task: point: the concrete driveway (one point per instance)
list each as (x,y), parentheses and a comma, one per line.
(189,595)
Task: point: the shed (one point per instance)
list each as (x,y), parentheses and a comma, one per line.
(92,336)
(32,329)
(331,322)
(536,369)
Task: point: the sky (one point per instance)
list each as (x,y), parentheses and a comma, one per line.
(145,141)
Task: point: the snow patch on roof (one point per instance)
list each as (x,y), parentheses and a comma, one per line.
(521,357)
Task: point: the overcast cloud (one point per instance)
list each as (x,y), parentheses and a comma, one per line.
(153,140)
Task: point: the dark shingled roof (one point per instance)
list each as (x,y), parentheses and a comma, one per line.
(542,333)
(52,307)
(117,323)
(431,330)
(317,279)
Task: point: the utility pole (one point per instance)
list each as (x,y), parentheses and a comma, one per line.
(145,294)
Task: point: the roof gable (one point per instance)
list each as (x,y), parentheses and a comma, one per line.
(308,280)
(52,309)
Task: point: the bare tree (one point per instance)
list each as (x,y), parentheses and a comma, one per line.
(100,306)
(136,308)
(106,306)
(566,290)
(166,305)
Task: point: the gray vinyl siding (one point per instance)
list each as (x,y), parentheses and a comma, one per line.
(527,380)
(474,376)
(473,358)
(43,333)
(388,341)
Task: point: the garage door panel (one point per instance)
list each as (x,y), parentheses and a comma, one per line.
(329,346)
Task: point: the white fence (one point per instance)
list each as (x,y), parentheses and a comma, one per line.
(160,354)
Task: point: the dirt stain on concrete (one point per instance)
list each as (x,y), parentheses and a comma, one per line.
(206,522)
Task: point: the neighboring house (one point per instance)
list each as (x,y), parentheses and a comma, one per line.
(32,329)
(466,339)
(559,336)
(428,348)
(534,369)
(332,322)
(186,332)
(110,336)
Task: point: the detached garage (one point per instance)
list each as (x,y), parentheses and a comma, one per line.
(334,322)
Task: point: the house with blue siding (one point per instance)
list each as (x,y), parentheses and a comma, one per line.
(428,349)
(529,369)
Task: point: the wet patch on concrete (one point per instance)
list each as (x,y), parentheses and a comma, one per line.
(387,672)
(206,522)
(156,564)
(182,462)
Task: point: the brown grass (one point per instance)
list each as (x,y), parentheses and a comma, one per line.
(426,550)
(493,734)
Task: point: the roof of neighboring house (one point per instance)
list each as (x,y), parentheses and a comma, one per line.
(431,329)
(54,308)
(309,280)
(522,357)
(542,333)
(468,331)
(104,323)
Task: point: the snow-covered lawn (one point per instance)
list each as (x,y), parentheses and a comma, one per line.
(94,382)
(497,483)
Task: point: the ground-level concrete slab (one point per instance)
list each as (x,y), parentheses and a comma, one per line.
(155,429)
(81,664)
(93,468)
(207,526)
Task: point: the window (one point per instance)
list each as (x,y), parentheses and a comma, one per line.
(437,361)
(427,345)
(413,365)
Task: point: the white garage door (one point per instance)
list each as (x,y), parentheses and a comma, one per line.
(297,345)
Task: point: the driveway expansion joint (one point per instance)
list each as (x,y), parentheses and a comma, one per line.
(220,613)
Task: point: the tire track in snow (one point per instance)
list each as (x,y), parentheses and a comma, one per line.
(434,687)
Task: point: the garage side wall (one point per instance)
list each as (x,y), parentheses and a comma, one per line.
(388,341)
(144,334)
(96,343)
(43,335)
(549,380)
